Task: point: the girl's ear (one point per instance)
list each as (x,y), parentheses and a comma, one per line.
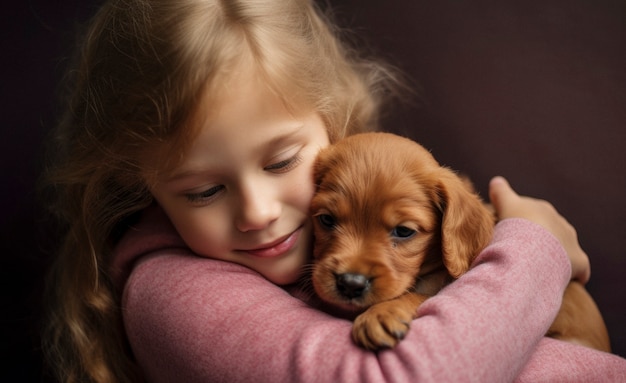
(467,224)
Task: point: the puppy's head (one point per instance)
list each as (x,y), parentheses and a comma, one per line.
(383,207)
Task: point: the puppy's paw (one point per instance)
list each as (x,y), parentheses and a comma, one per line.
(382,325)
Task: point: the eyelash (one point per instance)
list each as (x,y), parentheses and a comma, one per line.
(279,167)
(285,165)
(204,196)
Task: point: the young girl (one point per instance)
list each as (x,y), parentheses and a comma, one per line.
(183,183)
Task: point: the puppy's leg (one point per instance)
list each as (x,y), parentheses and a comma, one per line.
(579,320)
(384,324)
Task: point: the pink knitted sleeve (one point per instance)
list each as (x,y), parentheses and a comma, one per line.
(191,319)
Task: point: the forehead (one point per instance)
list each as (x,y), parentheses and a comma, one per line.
(365,188)
(237,108)
(373,173)
(378,202)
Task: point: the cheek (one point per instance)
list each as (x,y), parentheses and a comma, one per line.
(203,235)
(300,189)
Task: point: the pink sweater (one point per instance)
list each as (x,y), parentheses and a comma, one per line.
(192,319)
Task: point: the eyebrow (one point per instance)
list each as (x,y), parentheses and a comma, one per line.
(274,142)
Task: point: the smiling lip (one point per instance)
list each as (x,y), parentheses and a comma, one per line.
(276,248)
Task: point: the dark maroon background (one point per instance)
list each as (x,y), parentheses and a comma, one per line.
(532,90)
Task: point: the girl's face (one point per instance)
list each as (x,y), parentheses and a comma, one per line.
(243,190)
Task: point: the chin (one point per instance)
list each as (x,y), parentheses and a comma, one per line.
(288,271)
(284,278)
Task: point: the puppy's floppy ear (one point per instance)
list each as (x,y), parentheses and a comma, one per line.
(467,225)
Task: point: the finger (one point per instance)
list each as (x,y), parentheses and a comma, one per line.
(582,271)
(585,275)
(500,193)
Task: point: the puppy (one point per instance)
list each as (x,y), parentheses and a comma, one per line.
(392,227)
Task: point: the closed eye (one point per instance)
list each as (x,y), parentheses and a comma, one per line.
(205,196)
(284,165)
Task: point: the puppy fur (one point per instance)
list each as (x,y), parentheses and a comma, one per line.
(392,227)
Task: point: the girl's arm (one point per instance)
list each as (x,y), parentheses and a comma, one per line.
(557,361)
(196,320)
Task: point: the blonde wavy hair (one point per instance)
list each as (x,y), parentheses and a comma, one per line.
(141,67)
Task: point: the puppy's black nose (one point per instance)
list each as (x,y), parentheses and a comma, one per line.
(352,285)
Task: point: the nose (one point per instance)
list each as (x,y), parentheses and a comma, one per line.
(351,285)
(258,207)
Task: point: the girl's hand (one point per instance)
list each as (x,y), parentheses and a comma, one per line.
(508,204)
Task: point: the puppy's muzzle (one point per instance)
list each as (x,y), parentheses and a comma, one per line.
(352,286)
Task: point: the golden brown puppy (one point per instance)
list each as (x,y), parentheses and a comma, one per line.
(393,227)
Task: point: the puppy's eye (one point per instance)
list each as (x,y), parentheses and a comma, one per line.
(402,232)
(326,220)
